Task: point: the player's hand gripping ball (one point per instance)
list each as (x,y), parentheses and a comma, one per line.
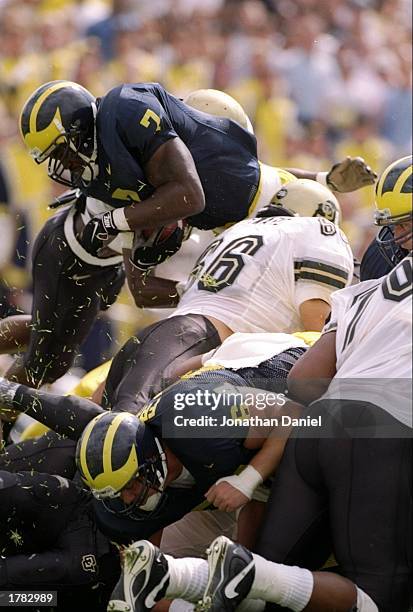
(154,246)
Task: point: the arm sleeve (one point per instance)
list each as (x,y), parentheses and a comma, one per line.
(41,568)
(145,125)
(72,561)
(67,415)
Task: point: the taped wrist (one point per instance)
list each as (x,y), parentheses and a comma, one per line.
(119,220)
(246,482)
(179,605)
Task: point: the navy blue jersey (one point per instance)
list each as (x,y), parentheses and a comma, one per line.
(373,263)
(134,120)
(201,432)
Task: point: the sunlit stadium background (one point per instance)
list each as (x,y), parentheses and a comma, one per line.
(320,79)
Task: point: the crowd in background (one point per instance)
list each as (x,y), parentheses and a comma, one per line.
(320,79)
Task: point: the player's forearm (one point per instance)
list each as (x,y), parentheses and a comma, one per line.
(311,375)
(149,291)
(347,175)
(269,456)
(267,459)
(303,174)
(154,292)
(232,492)
(67,415)
(313,314)
(170,202)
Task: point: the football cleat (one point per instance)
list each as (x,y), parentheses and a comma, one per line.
(144,579)
(231,574)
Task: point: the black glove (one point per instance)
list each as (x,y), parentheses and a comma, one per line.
(98,231)
(147,254)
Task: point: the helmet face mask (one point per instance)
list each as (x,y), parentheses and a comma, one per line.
(393,249)
(57,124)
(66,164)
(149,486)
(393,212)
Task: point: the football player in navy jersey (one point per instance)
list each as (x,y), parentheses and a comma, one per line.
(149,470)
(394,217)
(150,156)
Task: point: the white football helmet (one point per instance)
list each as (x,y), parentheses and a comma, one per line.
(308,198)
(219,103)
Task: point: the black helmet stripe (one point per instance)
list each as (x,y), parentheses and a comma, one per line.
(394,175)
(29,120)
(98,434)
(407,186)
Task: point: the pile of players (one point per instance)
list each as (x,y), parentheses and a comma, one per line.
(309,461)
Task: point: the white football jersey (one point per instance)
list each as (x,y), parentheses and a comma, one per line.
(373,324)
(249,350)
(256,274)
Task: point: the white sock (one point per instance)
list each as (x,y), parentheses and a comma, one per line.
(251,605)
(179,605)
(188,578)
(365,603)
(288,586)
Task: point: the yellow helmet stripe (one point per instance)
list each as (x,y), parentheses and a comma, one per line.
(108,443)
(83,446)
(37,105)
(117,479)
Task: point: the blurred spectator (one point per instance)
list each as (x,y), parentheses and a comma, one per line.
(363,139)
(309,65)
(396,121)
(123,16)
(7,243)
